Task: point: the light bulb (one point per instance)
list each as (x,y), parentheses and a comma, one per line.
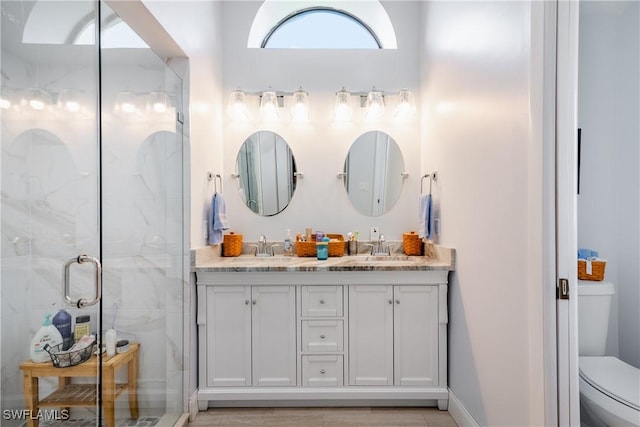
(342,109)
(269,106)
(37,99)
(406,105)
(68,100)
(237,107)
(375,105)
(300,110)
(158,102)
(125,102)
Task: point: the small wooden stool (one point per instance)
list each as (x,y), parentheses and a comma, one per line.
(81,395)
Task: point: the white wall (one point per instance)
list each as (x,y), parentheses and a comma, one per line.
(477,133)
(320,146)
(196,27)
(609,200)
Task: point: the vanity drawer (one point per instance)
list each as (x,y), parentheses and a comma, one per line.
(322,371)
(321,301)
(322,336)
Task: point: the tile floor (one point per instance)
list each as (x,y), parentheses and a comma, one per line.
(324,417)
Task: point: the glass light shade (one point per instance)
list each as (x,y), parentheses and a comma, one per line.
(237,106)
(342,109)
(269,106)
(158,102)
(37,98)
(406,105)
(375,105)
(125,102)
(69,100)
(300,108)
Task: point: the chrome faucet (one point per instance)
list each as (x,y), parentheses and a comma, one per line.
(262,248)
(262,245)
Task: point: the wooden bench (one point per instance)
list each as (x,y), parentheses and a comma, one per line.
(82,395)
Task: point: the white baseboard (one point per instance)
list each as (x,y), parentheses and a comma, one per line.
(193,405)
(459,413)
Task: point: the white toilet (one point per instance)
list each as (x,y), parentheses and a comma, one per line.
(609,388)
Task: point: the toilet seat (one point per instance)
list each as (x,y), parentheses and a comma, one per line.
(612,377)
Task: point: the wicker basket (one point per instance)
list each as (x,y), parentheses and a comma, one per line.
(597,270)
(411,244)
(232,244)
(307,249)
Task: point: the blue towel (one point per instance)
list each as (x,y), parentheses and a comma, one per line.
(425,217)
(587,253)
(217,219)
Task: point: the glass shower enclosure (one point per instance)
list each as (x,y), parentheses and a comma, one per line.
(92,177)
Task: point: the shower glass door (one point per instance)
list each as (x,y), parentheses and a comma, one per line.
(91,163)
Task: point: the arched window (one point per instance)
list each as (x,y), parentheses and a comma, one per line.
(322,24)
(321,28)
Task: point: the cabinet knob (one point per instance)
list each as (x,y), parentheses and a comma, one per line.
(321,301)
(246,302)
(322,371)
(397,301)
(322,337)
(390,301)
(254,302)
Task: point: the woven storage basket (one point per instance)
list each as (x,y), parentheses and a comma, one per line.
(232,244)
(336,246)
(597,270)
(411,243)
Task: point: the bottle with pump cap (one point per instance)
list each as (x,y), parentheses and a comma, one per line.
(288,244)
(47,334)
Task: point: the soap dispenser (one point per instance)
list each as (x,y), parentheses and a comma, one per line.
(288,243)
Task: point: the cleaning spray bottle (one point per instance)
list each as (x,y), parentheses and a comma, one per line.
(47,334)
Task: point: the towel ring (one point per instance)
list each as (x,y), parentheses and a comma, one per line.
(432,177)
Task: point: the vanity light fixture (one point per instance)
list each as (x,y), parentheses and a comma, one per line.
(374,105)
(68,100)
(406,105)
(237,106)
(300,108)
(269,106)
(342,109)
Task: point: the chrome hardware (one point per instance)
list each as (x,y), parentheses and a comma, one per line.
(397,301)
(322,337)
(562,289)
(246,302)
(254,302)
(80,303)
(322,371)
(390,301)
(321,301)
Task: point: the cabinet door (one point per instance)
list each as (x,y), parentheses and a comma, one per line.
(370,335)
(415,335)
(274,335)
(228,336)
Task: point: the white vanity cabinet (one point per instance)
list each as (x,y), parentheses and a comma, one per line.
(326,337)
(393,335)
(250,338)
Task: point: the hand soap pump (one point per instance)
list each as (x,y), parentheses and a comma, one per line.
(288,243)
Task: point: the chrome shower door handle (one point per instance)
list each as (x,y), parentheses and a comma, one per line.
(79,303)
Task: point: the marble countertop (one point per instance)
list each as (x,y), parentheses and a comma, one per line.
(207,260)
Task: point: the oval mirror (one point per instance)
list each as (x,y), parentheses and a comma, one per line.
(266,171)
(373,173)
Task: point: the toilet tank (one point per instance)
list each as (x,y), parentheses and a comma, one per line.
(594,303)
